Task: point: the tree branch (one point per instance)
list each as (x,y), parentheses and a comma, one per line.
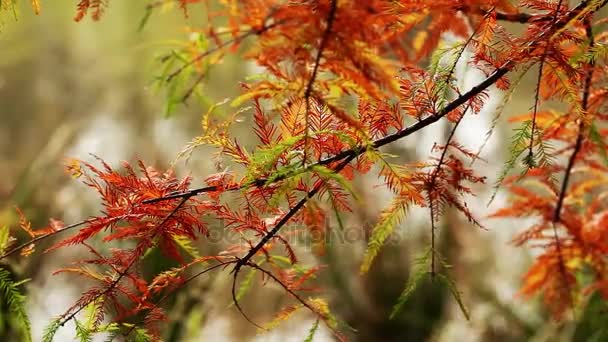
(360,149)
(253,251)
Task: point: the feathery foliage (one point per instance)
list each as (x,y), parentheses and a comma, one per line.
(341,80)
(15,302)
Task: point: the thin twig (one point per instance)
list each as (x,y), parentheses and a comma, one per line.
(253,251)
(235,299)
(182,285)
(571,161)
(331,16)
(68,316)
(285,287)
(431,185)
(530,157)
(235,40)
(42,237)
(435,172)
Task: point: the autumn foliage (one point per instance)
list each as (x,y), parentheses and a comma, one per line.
(341,80)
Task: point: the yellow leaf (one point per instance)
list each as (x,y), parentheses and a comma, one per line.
(5,239)
(36,6)
(248,96)
(73,167)
(389,218)
(575,263)
(283,315)
(413,18)
(27,251)
(419,40)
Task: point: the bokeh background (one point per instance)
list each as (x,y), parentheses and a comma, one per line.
(72,89)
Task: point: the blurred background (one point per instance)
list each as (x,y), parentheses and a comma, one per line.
(72,89)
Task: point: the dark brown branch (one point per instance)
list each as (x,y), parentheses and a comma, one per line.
(581,134)
(191,278)
(212,188)
(331,16)
(360,149)
(246,260)
(253,251)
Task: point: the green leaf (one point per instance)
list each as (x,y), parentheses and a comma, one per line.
(15,302)
(518,146)
(419,271)
(312,331)
(264,159)
(245,284)
(442,67)
(83,334)
(145,18)
(141,335)
(451,285)
(597,139)
(389,218)
(5,239)
(186,244)
(285,187)
(455,293)
(176,77)
(113,330)
(135,334)
(593,325)
(329,174)
(51,329)
(506,99)
(9,6)
(85,330)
